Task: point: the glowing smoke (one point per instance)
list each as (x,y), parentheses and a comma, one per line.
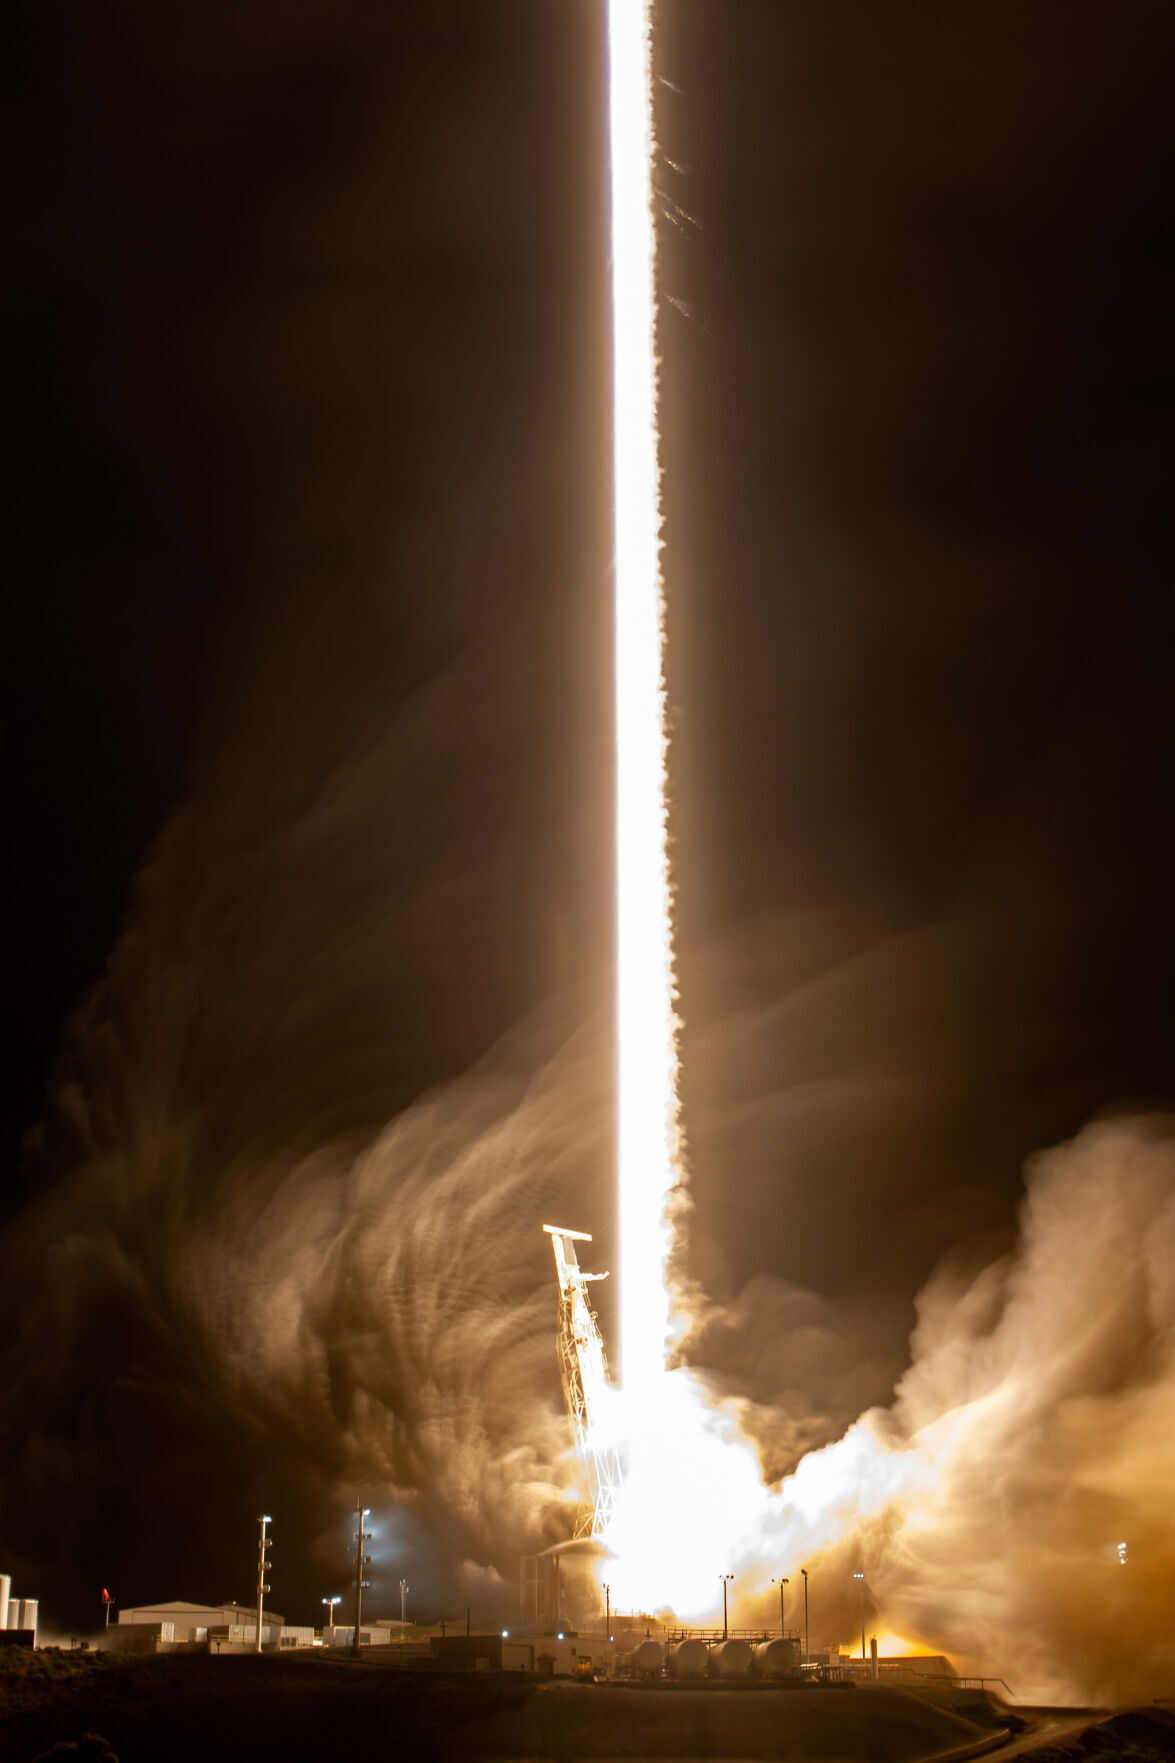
(384,1312)
(1031,1430)
(263,1268)
(991,1396)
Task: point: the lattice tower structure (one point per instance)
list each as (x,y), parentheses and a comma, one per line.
(586,1384)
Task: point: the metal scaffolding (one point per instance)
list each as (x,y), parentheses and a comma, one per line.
(584,1371)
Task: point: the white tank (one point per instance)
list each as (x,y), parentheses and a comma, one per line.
(28,1614)
(648,1657)
(731,1658)
(13,1612)
(775,1658)
(5,1588)
(689,1659)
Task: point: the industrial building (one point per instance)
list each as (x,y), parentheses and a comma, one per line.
(226,1628)
(223,1628)
(192,1622)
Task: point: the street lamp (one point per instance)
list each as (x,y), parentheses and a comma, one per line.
(330,1610)
(403,1607)
(726,1579)
(807,1650)
(781,1583)
(860,1579)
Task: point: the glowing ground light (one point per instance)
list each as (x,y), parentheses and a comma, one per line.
(647,1129)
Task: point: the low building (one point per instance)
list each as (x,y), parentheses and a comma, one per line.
(563,1654)
(140,1637)
(194,1622)
(343,1636)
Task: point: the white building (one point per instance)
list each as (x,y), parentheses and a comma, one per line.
(192,1622)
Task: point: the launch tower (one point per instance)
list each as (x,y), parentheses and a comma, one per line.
(586,1388)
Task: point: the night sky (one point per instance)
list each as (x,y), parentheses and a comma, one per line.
(309,540)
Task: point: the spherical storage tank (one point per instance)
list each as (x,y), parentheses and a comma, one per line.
(775,1658)
(648,1657)
(731,1658)
(689,1659)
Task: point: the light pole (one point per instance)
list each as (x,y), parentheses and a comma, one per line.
(361,1560)
(781,1583)
(726,1579)
(330,1609)
(807,1653)
(860,1579)
(608,1611)
(262,1570)
(403,1607)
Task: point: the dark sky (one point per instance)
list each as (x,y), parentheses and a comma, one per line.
(309,980)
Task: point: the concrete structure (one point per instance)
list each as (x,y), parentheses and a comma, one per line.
(5,1589)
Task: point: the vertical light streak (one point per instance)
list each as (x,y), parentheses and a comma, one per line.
(647,1125)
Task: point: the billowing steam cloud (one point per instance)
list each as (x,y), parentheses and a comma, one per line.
(259,1271)
(1031,1434)
(380,1315)
(267,1276)
(1044,1391)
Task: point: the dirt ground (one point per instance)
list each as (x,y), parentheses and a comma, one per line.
(92,1708)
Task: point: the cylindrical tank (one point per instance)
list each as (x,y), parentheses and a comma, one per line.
(648,1657)
(775,1658)
(28,1614)
(13,1612)
(5,1588)
(731,1658)
(689,1659)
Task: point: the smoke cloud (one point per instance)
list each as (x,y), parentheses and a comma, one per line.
(321,459)
(1029,1437)
(260,1306)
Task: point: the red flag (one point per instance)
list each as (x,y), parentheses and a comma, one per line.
(105,1595)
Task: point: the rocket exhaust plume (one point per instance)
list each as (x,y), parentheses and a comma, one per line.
(647,1108)
(900,1491)
(648,1142)
(661,1412)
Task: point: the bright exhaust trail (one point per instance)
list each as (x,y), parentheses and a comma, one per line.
(647,1125)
